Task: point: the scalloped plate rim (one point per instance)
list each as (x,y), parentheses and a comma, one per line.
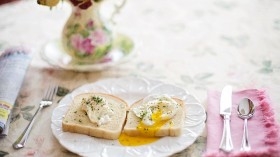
(124,148)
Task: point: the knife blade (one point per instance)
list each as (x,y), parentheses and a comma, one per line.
(225,111)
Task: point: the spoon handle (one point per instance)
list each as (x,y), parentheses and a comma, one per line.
(245,146)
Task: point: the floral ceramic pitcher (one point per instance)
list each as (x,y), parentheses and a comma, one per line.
(84,36)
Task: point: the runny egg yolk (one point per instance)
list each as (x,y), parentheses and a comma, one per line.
(155,112)
(151,130)
(147,132)
(126,140)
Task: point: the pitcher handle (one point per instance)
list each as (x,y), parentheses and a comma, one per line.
(117,10)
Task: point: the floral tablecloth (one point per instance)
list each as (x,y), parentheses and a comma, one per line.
(197,45)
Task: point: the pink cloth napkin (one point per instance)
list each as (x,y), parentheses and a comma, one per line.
(264,135)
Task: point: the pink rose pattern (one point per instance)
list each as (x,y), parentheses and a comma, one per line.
(87,45)
(83,45)
(90,24)
(98,37)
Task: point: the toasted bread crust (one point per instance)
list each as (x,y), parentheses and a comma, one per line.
(76,121)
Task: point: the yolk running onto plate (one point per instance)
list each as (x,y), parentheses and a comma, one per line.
(147,132)
(126,140)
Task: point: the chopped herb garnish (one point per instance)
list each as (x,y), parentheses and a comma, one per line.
(142,114)
(97,99)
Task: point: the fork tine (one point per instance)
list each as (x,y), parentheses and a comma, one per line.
(46,93)
(50,92)
(55,88)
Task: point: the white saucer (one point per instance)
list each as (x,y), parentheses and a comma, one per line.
(54,54)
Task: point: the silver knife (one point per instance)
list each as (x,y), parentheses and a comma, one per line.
(225,111)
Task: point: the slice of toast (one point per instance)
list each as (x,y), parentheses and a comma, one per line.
(76,119)
(171,127)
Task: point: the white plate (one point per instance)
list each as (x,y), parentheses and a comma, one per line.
(54,54)
(131,90)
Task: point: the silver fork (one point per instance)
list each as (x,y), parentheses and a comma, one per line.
(47,100)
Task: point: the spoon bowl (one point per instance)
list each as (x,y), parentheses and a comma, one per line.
(245,110)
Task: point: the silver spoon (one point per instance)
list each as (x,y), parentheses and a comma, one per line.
(245,111)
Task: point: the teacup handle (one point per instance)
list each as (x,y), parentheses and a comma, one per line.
(117,9)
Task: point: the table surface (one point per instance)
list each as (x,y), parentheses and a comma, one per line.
(197,45)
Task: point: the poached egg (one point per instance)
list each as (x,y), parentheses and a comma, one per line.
(156,108)
(97,109)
